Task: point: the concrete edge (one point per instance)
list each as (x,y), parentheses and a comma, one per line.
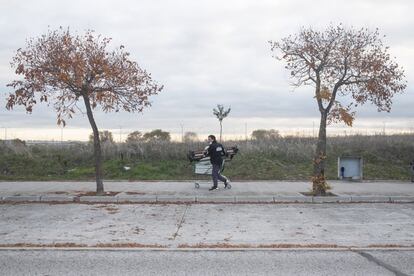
(254,199)
(91,248)
(98,199)
(136,199)
(215,199)
(402,199)
(331,199)
(57,198)
(293,199)
(27,198)
(371,199)
(208,199)
(170,199)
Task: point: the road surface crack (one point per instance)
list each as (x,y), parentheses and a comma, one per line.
(180,223)
(388,267)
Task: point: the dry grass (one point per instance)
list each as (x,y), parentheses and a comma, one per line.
(285,158)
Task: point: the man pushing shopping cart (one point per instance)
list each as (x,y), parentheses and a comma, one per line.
(216,151)
(211,161)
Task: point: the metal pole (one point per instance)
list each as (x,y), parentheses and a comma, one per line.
(313,129)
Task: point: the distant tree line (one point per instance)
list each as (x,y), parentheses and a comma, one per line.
(159,135)
(156,135)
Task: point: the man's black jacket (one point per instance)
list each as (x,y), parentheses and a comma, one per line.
(216,151)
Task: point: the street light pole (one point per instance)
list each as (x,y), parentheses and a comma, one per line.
(182,132)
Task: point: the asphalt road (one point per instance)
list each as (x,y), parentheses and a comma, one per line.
(175,262)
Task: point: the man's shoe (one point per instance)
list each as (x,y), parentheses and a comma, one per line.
(213,188)
(226,183)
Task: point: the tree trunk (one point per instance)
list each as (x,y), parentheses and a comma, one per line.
(319,182)
(96,147)
(221,129)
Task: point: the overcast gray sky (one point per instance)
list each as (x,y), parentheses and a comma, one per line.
(206,53)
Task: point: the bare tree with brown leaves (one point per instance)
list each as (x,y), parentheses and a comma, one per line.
(63,69)
(345,63)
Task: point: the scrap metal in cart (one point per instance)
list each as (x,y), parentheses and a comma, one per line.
(202,165)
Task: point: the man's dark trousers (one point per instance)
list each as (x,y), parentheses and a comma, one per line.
(216,174)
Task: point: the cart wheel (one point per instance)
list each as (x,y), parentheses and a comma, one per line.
(229,186)
(196,185)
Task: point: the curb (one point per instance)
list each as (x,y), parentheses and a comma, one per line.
(57,198)
(136,199)
(256,199)
(195,249)
(215,199)
(98,199)
(402,199)
(206,199)
(172,199)
(293,199)
(21,199)
(372,199)
(331,199)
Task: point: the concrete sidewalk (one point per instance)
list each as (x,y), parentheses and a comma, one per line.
(185,192)
(207,225)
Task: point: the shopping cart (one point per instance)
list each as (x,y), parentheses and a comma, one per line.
(202,165)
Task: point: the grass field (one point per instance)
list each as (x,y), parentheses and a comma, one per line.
(287,158)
